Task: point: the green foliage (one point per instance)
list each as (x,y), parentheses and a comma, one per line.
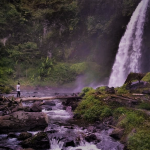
(144,105)
(139,140)
(5,89)
(62,73)
(132,120)
(122,90)
(120,111)
(101,89)
(45,67)
(66,29)
(97,113)
(91,108)
(86,89)
(79,68)
(146,78)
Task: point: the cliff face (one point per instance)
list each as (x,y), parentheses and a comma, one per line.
(67,31)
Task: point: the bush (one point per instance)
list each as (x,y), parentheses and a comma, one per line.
(101,89)
(62,74)
(122,90)
(79,68)
(144,105)
(85,90)
(92,109)
(5,89)
(131,121)
(139,140)
(120,111)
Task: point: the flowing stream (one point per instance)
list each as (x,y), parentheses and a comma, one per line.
(61,128)
(128,58)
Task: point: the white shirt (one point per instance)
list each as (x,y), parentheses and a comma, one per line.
(18,87)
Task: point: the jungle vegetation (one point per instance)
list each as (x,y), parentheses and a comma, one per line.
(52,42)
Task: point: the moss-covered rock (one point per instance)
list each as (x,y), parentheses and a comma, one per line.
(146,78)
(38,141)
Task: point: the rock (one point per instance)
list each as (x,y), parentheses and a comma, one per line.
(22,121)
(1,113)
(27,109)
(70,143)
(38,141)
(5,148)
(12,135)
(71,102)
(49,103)
(20,148)
(110,90)
(134,76)
(117,133)
(77,116)
(36,107)
(146,92)
(91,129)
(6,117)
(46,107)
(24,136)
(91,138)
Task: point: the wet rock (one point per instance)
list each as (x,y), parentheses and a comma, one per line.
(22,121)
(49,103)
(91,138)
(24,136)
(52,131)
(109,145)
(46,107)
(12,135)
(71,102)
(38,141)
(70,143)
(36,107)
(117,133)
(99,126)
(91,129)
(20,148)
(5,148)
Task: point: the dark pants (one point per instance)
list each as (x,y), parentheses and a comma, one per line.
(18,93)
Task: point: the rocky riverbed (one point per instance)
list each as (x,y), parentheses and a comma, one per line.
(44,125)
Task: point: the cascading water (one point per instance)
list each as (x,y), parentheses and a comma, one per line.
(129,52)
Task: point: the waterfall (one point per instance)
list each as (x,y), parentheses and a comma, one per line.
(129,51)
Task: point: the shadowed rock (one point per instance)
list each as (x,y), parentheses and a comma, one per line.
(22,121)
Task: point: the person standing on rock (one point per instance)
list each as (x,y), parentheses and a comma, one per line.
(18,89)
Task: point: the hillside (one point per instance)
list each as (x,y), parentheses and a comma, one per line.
(54,42)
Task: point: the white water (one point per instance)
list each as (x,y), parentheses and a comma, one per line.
(129,52)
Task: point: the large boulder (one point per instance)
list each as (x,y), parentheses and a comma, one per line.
(36,107)
(38,141)
(91,138)
(134,76)
(117,133)
(22,121)
(71,102)
(24,136)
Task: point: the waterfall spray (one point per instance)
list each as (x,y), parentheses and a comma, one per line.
(129,52)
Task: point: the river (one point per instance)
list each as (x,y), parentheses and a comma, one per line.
(61,128)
